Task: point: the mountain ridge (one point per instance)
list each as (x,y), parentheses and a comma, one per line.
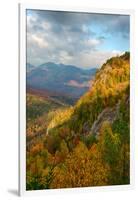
(60,78)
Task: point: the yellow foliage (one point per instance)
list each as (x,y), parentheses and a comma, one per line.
(81,169)
(60,116)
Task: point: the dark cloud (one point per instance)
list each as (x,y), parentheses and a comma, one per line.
(119,25)
(66,36)
(74,21)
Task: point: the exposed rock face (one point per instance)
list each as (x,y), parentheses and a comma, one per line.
(86,128)
(108,114)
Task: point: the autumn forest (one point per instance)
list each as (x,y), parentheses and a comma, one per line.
(79,134)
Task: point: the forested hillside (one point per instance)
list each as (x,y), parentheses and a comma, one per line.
(86,144)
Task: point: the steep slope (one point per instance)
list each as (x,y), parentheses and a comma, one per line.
(111,83)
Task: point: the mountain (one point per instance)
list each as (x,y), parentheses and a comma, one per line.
(87,144)
(102,101)
(29,67)
(68,80)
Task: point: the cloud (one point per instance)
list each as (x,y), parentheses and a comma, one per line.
(39,41)
(73,38)
(120,25)
(93,42)
(94,58)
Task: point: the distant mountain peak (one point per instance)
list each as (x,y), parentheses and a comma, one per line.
(29,67)
(61,78)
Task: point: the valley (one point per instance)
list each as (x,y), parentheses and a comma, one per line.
(65,82)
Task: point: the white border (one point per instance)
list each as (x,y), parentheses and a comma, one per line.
(22,99)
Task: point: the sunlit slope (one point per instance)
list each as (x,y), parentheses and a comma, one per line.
(110,85)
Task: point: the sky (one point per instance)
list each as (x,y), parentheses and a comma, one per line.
(85,40)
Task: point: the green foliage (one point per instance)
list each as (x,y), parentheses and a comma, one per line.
(52,142)
(122,123)
(89,140)
(114,148)
(109,144)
